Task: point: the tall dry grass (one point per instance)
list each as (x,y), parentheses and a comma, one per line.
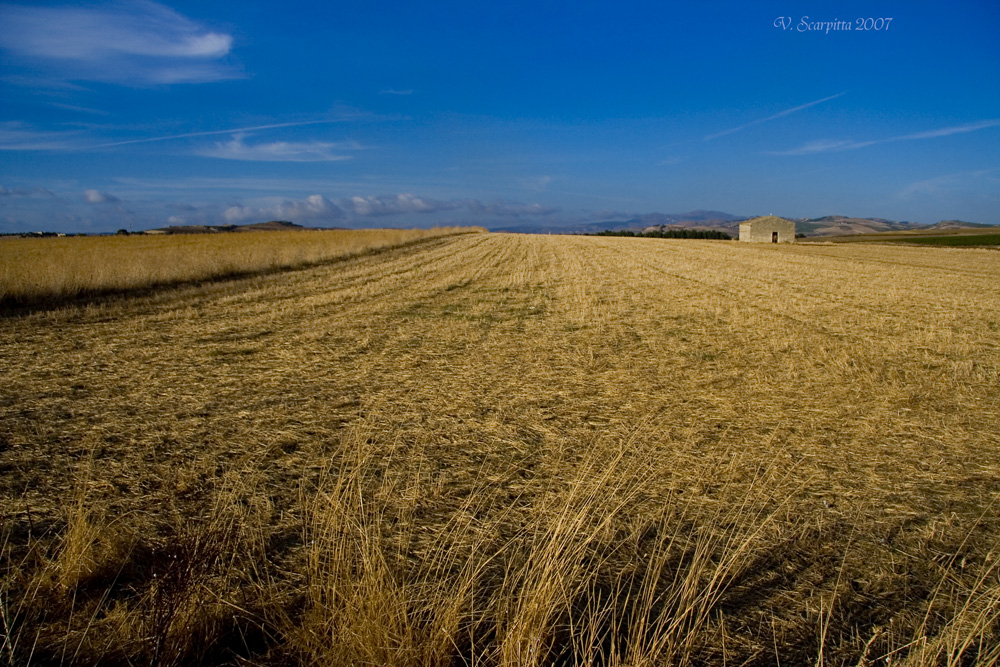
(39,268)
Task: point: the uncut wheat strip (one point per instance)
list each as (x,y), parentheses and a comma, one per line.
(71,265)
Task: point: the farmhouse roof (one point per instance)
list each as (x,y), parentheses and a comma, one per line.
(767,218)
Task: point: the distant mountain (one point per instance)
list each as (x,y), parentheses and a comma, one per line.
(692,219)
(270,226)
(958,224)
(840,225)
(689,217)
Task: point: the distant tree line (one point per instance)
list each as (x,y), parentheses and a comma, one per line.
(36,235)
(671,234)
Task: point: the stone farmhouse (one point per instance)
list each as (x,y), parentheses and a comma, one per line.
(767,229)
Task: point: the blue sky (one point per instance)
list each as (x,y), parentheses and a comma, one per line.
(141,114)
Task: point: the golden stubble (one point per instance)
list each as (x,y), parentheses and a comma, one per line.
(509,450)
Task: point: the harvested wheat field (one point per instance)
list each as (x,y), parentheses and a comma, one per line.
(513,450)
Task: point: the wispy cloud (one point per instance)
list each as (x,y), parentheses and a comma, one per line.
(824,145)
(45,82)
(281,151)
(135,42)
(510,209)
(36,192)
(827,145)
(19,136)
(210,133)
(393,91)
(79,109)
(537,183)
(407,203)
(983,180)
(947,131)
(780,114)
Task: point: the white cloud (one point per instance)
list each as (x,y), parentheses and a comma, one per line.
(394,204)
(238,213)
(136,205)
(98,197)
(313,208)
(391,91)
(280,151)
(125,41)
